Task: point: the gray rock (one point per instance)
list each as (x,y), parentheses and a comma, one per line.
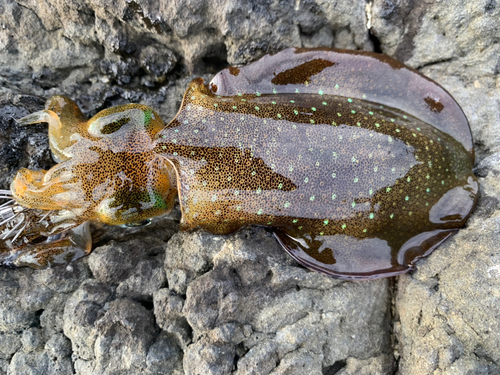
(124,335)
(164,357)
(109,264)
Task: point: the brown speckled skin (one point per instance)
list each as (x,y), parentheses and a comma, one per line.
(108,172)
(359,164)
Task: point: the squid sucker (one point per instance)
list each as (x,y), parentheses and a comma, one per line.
(358,164)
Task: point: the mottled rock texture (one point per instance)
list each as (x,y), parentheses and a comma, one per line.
(158,301)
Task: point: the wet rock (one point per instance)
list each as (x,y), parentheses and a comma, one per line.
(169,316)
(21,147)
(278,313)
(109,265)
(125,332)
(164,356)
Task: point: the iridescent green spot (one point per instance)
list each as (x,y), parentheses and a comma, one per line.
(306,180)
(147,116)
(234,107)
(409,213)
(408,179)
(214,197)
(257,108)
(257,93)
(313,108)
(353,204)
(204,120)
(321,233)
(377,125)
(375,169)
(391,216)
(442,182)
(280,186)
(290,168)
(372,215)
(364,230)
(371,113)
(300,227)
(259,190)
(295,111)
(259,212)
(337,87)
(334,123)
(349,100)
(407,198)
(164,147)
(418,129)
(388,189)
(392,120)
(279,116)
(344,226)
(414,134)
(428,190)
(312,121)
(294,221)
(339,114)
(292,101)
(397,130)
(320,92)
(253,173)
(243,100)
(312,198)
(274,91)
(358,123)
(324,103)
(216,105)
(334,196)
(370,191)
(325,222)
(355,179)
(273,102)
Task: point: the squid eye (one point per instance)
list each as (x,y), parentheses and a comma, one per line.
(114,126)
(138,224)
